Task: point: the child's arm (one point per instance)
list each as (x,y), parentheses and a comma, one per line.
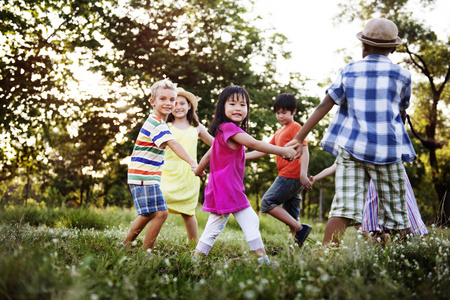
(204,135)
(324,107)
(249,142)
(179,150)
(324,173)
(199,171)
(304,163)
(254,154)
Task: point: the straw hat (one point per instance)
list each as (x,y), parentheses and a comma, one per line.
(380,32)
(191,97)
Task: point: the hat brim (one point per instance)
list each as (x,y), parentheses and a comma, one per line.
(191,97)
(395,43)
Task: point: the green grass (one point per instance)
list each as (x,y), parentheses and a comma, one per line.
(71,254)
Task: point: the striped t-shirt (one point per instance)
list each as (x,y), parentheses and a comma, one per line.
(147,158)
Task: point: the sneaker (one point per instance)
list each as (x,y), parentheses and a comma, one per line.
(120,244)
(302,234)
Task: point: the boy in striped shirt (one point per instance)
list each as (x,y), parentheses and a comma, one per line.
(147,159)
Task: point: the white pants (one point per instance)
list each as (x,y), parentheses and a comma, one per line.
(247,219)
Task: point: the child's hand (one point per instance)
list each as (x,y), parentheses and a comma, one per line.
(290,153)
(197,172)
(311,179)
(306,182)
(299,149)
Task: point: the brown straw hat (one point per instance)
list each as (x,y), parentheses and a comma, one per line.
(380,32)
(191,97)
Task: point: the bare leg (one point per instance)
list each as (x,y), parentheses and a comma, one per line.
(136,228)
(260,252)
(190,222)
(282,215)
(335,228)
(153,228)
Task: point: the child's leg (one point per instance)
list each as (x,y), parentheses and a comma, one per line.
(153,228)
(335,229)
(190,222)
(214,226)
(136,228)
(282,215)
(351,181)
(249,222)
(390,184)
(282,190)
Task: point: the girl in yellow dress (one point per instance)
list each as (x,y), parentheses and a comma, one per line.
(179,184)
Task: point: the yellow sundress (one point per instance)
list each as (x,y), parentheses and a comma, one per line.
(179,185)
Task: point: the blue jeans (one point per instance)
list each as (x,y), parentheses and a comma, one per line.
(285,192)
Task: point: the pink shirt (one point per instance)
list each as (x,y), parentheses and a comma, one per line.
(225,192)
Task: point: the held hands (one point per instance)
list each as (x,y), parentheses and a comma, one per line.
(298,146)
(306,182)
(290,153)
(198,172)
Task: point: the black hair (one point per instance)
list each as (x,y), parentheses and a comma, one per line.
(191,115)
(285,102)
(235,92)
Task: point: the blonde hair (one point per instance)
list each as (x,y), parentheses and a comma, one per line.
(163,84)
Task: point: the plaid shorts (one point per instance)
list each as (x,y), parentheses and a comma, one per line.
(147,198)
(352,183)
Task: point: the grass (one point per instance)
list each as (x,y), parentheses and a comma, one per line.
(72,254)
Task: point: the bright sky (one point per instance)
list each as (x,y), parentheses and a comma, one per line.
(315,38)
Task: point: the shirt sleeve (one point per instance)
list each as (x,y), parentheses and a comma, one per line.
(337,89)
(406,95)
(161,134)
(229,130)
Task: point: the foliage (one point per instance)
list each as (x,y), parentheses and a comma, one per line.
(72,263)
(70,144)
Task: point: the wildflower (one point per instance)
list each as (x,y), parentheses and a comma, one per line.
(325,277)
(249,294)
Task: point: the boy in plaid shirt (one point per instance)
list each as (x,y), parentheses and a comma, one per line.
(367,133)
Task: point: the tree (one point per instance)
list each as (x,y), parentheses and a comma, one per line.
(75,143)
(204,46)
(429,56)
(37,40)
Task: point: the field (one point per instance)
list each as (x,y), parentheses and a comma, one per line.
(72,254)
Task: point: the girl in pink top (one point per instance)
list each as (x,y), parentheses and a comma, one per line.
(225,192)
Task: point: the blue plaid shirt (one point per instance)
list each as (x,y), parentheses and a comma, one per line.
(370,94)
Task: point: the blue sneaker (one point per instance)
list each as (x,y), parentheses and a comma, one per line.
(302,234)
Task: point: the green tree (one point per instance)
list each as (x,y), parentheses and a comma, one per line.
(37,38)
(204,46)
(429,56)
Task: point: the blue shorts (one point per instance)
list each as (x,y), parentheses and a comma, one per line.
(285,192)
(147,198)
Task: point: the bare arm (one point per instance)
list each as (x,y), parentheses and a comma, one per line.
(204,135)
(324,173)
(304,169)
(179,150)
(254,154)
(324,107)
(249,142)
(204,162)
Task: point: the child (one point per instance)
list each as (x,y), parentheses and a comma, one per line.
(367,133)
(179,184)
(144,170)
(224,193)
(286,189)
(370,215)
